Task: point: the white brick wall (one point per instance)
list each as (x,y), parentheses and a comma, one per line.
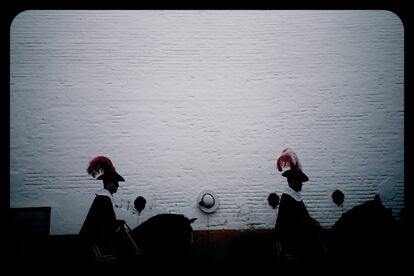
(183,101)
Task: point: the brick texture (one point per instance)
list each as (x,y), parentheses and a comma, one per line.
(183,101)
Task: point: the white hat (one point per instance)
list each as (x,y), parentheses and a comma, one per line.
(208,201)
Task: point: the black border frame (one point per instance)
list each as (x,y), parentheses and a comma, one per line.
(404,9)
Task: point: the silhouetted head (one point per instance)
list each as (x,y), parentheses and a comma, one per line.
(295,178)
(273,200)
(111,181)
(338,197)
(295,184)
(139,204)
(113,175)
(111,185)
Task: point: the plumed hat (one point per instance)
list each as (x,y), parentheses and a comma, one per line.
(288,158)
(103,165)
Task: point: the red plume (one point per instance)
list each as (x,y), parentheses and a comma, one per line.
(288,159)
(100,164)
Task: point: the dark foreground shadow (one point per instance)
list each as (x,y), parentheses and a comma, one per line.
(365,241)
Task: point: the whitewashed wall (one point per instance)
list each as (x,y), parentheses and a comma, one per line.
(183,101)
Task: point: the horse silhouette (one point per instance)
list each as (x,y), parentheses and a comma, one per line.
(166,236)
(362,236)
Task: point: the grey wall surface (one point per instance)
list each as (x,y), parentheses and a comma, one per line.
(183,101)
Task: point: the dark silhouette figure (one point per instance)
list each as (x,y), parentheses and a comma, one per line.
(338,197)
(297,232)
(100,229)
(139,204)
(273,200)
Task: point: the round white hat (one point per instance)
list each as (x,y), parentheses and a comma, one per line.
(208,201)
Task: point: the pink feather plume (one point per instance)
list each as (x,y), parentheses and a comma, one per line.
(288,159)
(100,164)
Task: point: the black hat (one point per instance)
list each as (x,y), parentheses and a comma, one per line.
(112,175)
(296,174)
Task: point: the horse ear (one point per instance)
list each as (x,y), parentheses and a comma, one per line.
(377,199)
(192,220)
